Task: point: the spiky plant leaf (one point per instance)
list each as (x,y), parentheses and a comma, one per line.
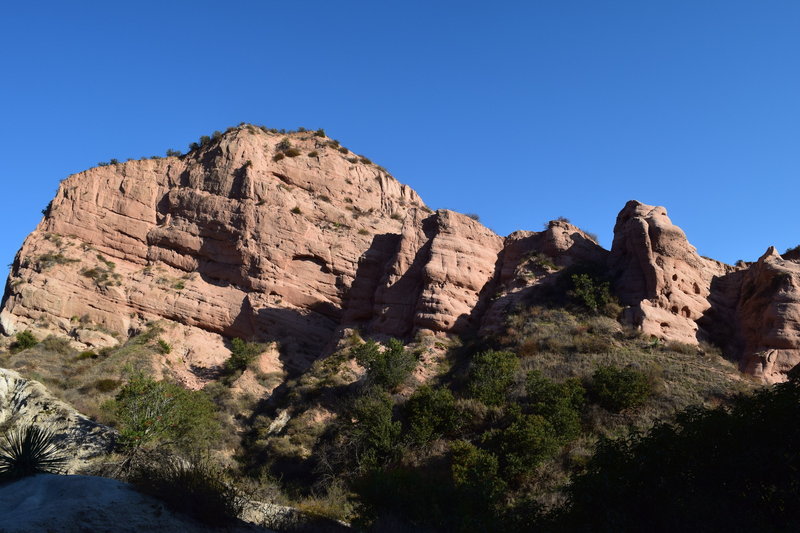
(29,450)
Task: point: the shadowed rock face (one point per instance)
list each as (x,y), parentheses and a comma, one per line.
(769,314)
(232,240)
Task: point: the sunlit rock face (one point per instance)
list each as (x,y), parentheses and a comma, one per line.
(295,239)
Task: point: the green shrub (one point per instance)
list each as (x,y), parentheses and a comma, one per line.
(491,376)
(592,294)
(559,403)
(617,389)
(196,488)
(430,413)
(58,345)
(313,154)
(476,476)
(296,210)
(724,469)
(388,368)
(87,354)
(163,347)
(154,412)
(29,450)
(173,153)
(283,145)
(521,446)
(292,152)
(343,150)
(106,385)
(319,133)
(24,340)
(48,260)
(373,431)
(473,216)
(277,157)
(242,355)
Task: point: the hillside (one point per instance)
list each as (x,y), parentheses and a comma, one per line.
(259,269)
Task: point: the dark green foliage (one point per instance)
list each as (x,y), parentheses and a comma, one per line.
(374,433)
(388,368)
(196,488)
(24,340)
(292,152)
(343,150)
(50,259)
(473,216)
(157,412)
(590,293)
(491,376)
(365,160)
(559,403)
(523,444)
(617,389)
(164,347)
(29,450)
(791,250)
(313,154)
(430,414)
(477,471)
(173,153)
(277,157)
(242,354)
(319,133)
(283,145)
(296,210)
(733,469)
(106,385)
(114,161)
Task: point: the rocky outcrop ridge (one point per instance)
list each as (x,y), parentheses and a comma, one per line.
(293,238)
(24,402)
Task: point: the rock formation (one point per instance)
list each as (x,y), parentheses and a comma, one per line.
(293,238)
(24,402)
(659,275)
(769,314)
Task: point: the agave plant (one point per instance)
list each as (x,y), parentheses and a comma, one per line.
(29,450)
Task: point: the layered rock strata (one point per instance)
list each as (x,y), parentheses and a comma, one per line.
(293,238)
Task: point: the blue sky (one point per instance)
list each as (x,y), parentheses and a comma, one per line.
(517,111)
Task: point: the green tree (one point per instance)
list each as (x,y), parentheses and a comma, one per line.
(150,412)
(523,444)
(386,368)
(618,389)
(491,376)
(242,354)
(590,292)
(374,432)
(24,340)
(431,414)
(559,403)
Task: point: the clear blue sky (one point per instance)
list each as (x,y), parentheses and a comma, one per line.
(518,111)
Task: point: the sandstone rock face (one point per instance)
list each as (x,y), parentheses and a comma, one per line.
(659,275)
(236,241)
(530,260)
(294,239)
(769,315)
(24,402)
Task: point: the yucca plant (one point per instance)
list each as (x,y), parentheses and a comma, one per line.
(29,450)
